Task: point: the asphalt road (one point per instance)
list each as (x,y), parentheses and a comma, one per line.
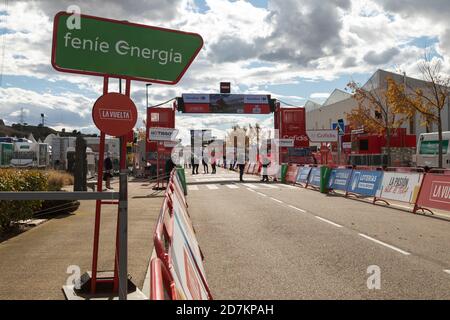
(272,241)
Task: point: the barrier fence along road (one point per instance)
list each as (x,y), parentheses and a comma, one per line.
(425,191)
(177,271)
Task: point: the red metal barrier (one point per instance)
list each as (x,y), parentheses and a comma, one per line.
(162,283)
(175,237)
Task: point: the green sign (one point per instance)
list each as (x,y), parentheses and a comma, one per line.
(105,47)
(432,147)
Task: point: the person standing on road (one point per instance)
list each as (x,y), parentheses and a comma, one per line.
(205,162)
(265,163)
(195,163)
(240,159)
(213,163)
(107,171)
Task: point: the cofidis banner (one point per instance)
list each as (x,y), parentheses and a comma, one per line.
(365,182)
(339,179)
(400,186)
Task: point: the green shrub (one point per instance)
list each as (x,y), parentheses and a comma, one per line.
(58,179)
(20,180)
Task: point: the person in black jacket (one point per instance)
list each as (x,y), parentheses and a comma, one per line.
(107,170)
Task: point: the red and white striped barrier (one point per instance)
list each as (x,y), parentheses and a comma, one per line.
(177,271)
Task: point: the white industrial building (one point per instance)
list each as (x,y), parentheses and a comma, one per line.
(339,103)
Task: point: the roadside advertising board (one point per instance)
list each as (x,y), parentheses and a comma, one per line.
(106,47)
(303,173)
(339,179)
(365,182)
(435,192)
(162,134)
(114,114)
(322,135)
(291,173)
(400,186)
(188,232)
(184,265)
(314,177)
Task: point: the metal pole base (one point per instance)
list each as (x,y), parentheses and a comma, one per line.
(104,289)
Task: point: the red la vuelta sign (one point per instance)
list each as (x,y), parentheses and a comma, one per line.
(111,114)
(435,192)
(114,114)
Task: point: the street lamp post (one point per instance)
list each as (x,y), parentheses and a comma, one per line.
(146,93)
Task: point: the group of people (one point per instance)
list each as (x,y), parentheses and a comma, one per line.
(195,163)
(265,162)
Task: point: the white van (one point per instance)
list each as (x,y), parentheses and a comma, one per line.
(428,150)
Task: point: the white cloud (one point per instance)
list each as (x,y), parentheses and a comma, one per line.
(319,95)
(249,46)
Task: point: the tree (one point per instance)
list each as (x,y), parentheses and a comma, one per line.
(375,112)
(428,101)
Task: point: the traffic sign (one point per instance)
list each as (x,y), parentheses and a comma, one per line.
(339,126)
(114,114)
(106,47)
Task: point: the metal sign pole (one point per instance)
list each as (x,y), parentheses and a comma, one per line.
(98,204)
(123,214)
(339,146)
(123,227)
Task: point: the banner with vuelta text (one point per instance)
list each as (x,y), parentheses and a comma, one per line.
(400,186)
(435,192)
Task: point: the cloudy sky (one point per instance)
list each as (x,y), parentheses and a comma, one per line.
(294,50)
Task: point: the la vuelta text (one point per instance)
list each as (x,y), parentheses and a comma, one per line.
(227,309)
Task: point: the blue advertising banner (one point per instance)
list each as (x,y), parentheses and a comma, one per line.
(339,179)
(302,175)
(314,177)
(365,182)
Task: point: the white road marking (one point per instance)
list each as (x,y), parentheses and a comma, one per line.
(269,186)
(298,209)
(328,221)
(279,201)
(232,186)
(250,185)
(193,188)
(211,186)
(287,186)
(447,271)
(250,190)
(261,194)
(384,244)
